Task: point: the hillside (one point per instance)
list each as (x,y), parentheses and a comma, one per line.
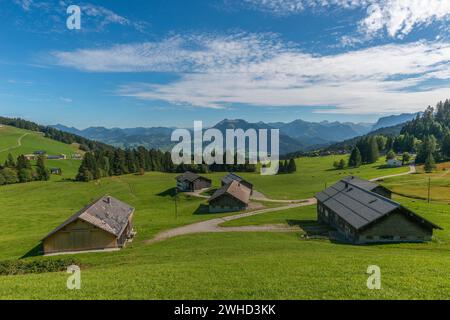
(232,265)
(350,143)
(20,141)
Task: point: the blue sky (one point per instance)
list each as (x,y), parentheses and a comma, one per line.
(168,63)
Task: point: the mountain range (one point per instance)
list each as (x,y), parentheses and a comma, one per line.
(294,136)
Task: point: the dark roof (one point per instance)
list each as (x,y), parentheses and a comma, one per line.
(190,176)
(353,201)
(234,189)
(364,184)
(234,177)
(106,213)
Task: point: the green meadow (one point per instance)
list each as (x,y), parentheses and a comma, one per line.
(18,141)
(258,265)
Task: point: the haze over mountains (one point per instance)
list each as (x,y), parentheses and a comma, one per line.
(294,136)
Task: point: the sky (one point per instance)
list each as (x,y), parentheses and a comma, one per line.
(168,63)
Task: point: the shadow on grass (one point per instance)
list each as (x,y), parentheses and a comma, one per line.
(202,209)
(38,250)
(311,227)
(171,192)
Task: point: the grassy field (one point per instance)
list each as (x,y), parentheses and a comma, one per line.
(18,141)
(312,175)
(416,185)
(219,265)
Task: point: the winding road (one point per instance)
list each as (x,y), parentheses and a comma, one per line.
(19,143)
(213,225)
(412,170)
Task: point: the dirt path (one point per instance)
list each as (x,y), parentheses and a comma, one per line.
(19,143)
(412,170)
(257,196)
(213,225)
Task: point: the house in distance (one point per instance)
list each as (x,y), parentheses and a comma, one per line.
(234,177)
(362,212)
(107,223)
(231,197)
(189,182)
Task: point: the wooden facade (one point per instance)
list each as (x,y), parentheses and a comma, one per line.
(226,203)
(231,197)
(362,212)
(190,182)
(105,224)
(395,227)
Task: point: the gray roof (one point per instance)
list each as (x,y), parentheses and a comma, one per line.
(234,177)
(364,184)
(234,189)
(190,176)
(106,213)
(356,204)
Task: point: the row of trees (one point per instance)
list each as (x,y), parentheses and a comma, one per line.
(427,136)
(20,170)
(116,162)
(287,166)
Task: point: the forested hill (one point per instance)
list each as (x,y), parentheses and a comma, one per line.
(432,132)
(55,134)
(348,145)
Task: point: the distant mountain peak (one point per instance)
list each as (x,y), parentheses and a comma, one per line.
(393,120)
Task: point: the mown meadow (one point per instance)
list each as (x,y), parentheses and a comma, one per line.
(258,265)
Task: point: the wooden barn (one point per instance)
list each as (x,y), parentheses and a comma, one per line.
(231,197)
(107,223)
(190,181)
(234,177)
(361,213)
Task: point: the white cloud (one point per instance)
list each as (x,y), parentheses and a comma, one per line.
(66,100)
(215,72)
(396,18)
(399,17)
(25,4)
(94,17)
(287,7)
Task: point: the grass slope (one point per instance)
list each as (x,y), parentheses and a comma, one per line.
(416,185)
(218,266)
(18,141)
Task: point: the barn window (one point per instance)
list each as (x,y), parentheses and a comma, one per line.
(387,237)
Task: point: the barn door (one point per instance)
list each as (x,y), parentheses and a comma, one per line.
(80,239)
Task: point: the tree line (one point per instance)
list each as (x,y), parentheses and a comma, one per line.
(20,170)
(427,136)
(116,162)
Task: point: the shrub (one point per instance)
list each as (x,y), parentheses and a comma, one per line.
(15,267)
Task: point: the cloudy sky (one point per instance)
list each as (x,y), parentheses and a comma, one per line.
(168,63)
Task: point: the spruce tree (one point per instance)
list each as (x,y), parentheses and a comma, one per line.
(10,163)
(355,158)
(292,167)
(42,172)
(430,164)
(374,152)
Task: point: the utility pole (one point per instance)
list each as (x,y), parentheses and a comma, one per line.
(176,204)
(429,190)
